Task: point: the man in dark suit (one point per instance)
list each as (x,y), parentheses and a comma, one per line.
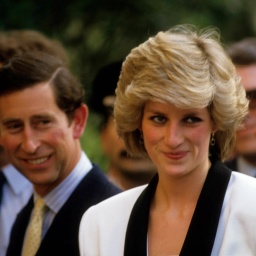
(243,54)
(16,189)
(42,117)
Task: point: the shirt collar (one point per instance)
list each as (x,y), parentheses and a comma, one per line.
(57,197)
(15,179)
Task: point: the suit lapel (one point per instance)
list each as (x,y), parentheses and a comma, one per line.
(204,223)
(136,233)
(203,227)
(62,236)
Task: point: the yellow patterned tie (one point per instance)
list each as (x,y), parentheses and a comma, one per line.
(34,232)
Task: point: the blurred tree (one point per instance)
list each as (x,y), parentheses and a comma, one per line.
(97,32)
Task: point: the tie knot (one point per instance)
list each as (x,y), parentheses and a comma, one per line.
(39,206)
(39,203)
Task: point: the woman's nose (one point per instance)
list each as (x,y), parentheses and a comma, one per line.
(173,136)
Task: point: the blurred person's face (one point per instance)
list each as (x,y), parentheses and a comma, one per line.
(3,157)
(114,149)
(37,136)
(246,138)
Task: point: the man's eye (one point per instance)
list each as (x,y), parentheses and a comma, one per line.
(41,122)
(13,127)
(44,121)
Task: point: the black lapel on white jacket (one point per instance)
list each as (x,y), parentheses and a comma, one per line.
(203,227)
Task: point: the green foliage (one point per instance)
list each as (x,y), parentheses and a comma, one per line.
(97,32)
(90,142)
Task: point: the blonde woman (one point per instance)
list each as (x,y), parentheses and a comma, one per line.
(180,102)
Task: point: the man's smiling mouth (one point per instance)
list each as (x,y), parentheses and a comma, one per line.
(38,160)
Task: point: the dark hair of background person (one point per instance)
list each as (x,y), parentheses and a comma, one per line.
(103,90)
(243,52)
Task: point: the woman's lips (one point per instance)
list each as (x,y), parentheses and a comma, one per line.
(176,155)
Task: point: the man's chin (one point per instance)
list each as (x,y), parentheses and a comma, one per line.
(249,154)
(250,157)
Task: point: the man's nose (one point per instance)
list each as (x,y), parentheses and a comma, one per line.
(250,120)
(30,141)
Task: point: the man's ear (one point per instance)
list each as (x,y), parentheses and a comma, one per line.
(79,121)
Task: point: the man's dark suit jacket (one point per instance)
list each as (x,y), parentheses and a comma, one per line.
(62,237)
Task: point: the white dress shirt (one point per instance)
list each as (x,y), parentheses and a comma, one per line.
(16,192)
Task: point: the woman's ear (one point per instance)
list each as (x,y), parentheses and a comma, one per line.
(80,120)
(214,127)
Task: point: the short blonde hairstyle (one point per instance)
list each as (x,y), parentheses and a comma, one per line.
(186,67)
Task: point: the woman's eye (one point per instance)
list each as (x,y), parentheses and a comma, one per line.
(158,119)
(193,119)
